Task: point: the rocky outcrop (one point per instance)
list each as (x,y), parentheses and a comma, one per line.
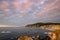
(25,38)
(55,35)
(35,38)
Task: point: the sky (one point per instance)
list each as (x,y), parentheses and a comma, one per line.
(23,12)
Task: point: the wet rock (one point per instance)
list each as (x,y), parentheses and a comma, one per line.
(25,38)
(38,37)
(55,35)
(46,38)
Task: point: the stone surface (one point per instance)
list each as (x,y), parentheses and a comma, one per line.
(25,38)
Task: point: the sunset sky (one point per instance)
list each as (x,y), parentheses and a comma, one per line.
(23,12)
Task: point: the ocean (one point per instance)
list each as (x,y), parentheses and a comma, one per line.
(12,33)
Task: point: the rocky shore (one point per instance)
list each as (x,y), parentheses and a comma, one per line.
(55,35)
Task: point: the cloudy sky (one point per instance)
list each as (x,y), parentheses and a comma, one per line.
(23,12)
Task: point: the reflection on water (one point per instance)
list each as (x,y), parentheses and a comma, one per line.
(11,33)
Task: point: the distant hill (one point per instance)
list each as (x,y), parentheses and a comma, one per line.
(45,25)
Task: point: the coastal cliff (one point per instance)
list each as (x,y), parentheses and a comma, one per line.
(50,26)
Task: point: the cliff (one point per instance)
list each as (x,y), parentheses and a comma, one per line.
(49,26)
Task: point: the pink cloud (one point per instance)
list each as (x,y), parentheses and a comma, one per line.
(4,5)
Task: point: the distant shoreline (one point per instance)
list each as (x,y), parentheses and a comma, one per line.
(45,25)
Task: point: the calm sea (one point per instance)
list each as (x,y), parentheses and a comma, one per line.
(12,33)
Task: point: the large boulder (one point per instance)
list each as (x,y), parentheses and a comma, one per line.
(25,38)
(55,35)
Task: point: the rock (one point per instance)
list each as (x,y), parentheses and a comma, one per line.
(38,37)
(46,38)
(25,38)
(55,35)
